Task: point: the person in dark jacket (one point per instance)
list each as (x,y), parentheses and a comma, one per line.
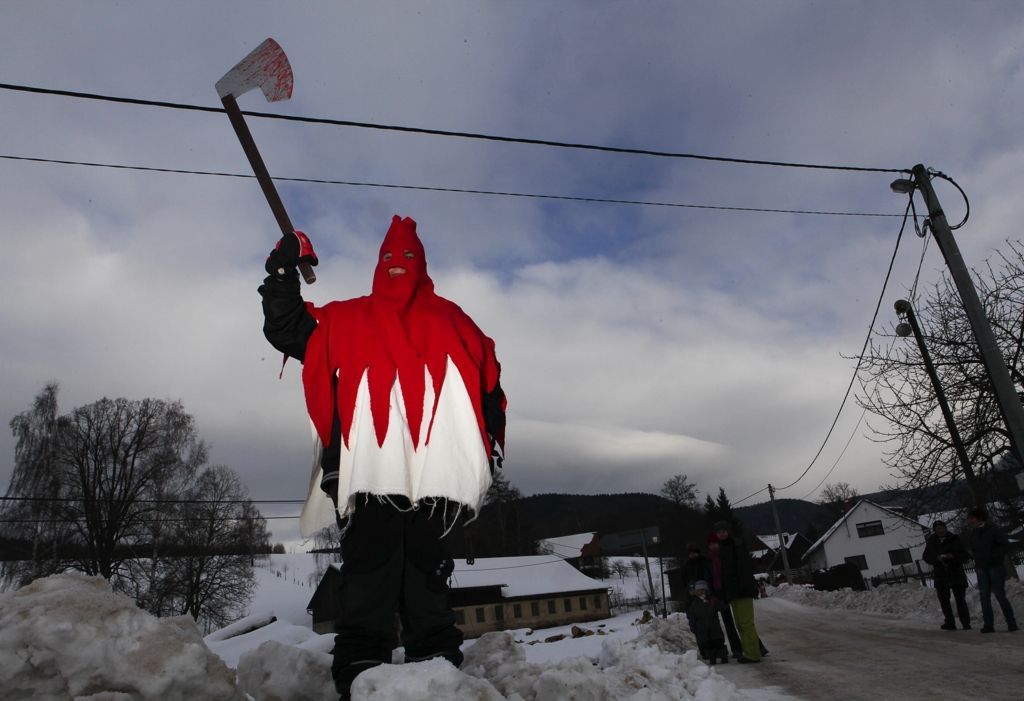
(739,589)
(695,568)
(946,554)
(988,545)
(710,639)
(718,596)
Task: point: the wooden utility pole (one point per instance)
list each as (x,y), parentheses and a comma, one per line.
(995,363)
(782,540)
(650,578)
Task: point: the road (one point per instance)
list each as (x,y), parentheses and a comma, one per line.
(834,655)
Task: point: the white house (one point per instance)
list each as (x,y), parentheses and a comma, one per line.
(872,537)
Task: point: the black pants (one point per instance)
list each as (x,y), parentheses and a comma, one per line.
(393,563)
(734,637)
(942,590)
(730,631)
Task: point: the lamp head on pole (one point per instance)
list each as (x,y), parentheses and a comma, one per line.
(902,186)
(903,329)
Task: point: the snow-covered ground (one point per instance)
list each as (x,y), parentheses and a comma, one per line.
(846,654)
(70,637)
(909,601)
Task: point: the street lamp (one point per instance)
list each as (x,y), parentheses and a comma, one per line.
(910,326)
(995,364)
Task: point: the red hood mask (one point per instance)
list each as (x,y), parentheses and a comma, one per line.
(398,330)
(401,265)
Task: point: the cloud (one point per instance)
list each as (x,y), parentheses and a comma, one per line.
(637,342)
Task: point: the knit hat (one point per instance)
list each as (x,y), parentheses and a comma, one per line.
(939,523)
(723,526)
(692,548)
(712,537)
(700,584)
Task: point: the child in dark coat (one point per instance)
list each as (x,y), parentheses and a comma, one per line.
(710,638)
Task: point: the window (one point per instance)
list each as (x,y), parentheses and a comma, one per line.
(568,605)
(858,561)
(534,608)
(480,616)
(900,557)
(499,613)
(460,617)
(551,605)
(870,528)
(597,601)
(517,611)
(583,603)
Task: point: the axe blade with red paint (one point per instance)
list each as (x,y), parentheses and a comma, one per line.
(268,69)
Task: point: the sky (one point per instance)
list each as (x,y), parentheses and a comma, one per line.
(637,342)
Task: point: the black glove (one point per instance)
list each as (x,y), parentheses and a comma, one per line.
(290,250)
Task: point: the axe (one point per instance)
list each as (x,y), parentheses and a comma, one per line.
(266,68)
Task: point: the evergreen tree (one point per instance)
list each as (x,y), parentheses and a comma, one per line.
(724,512)
(710,508)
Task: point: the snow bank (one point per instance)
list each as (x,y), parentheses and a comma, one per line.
(233,649)
(910,600)
(657,665)
(241,627)
(650,668)
(433,679)
(276,671)
(70,637)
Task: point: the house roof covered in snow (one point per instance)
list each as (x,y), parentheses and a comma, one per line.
(772,540)
(950,518)
(835,526)
(532,575)
(568,546)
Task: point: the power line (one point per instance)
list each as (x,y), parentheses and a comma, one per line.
(497,193)
(841,454)
(134,522)
(750,496)
(510,567)
(454,134)
(920,263)
(860,356)
(161,501)
(860,359)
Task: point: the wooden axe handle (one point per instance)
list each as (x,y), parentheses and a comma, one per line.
(263,176)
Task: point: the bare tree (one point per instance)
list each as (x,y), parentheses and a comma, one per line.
(251,532)
(680,491)
(899,393)
(213,579)
(29,514)
(115,454)
(619,569)
(326,549)
(116,488)
(838,497)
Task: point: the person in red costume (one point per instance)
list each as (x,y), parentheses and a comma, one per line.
(403,392)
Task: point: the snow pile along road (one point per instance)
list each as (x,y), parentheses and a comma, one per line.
(71,637)
(909,601)
(649,668)
(660,664)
